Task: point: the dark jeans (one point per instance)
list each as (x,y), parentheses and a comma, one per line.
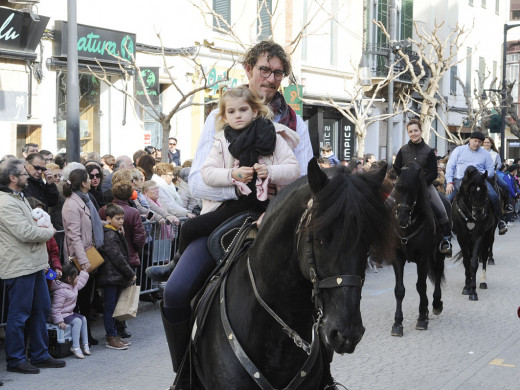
(193,268)
(111,293)
(29,306)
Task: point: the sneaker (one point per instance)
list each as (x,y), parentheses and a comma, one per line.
(114,343)
(50,362)
(502,227)
(86,350)
(24,368)
(77,352)
(122,341)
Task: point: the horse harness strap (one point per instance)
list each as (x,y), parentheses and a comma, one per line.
(404,239)
(311,349)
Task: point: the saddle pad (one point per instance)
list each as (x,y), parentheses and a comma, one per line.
(220,240)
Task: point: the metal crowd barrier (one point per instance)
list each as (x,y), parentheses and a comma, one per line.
(161,245)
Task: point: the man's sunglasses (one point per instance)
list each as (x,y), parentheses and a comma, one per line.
(38,168)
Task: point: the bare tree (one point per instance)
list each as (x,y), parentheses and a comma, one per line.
(437,55)
(361,104)
(199,82)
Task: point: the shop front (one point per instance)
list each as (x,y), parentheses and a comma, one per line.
(102,51)
(20,34)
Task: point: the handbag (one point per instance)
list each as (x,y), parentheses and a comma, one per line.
(94,258)
(127,304)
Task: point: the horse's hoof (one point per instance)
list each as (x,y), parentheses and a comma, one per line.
(438,310)
(473,297)
(483,286)
(491,261)
(397,330)
(465,291)
(422,325)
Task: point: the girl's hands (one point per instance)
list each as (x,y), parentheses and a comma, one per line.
(261,170)
(85,267)
(62,325)
(243,174)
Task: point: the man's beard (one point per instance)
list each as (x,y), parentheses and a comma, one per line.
(22,186)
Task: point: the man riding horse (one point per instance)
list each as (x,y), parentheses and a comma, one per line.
(473,155)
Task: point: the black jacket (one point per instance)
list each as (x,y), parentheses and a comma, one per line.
(421,154)
(46,193)
(115,270)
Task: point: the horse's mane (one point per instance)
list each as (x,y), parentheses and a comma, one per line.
(412,177)
(358,200)
(472,176)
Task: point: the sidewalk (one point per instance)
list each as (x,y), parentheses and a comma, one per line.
(145,365)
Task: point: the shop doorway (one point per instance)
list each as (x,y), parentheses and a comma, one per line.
(26,134)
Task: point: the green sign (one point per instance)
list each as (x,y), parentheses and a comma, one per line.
(292,94)
(214,77)
(151,84)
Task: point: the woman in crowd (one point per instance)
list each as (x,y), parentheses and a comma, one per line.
(188,201)
(96,178)
(168,196)
(147,162)
(83,229)
(489,145)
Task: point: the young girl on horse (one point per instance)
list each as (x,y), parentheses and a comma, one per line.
(248,153)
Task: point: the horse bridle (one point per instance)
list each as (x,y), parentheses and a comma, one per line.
(406,206)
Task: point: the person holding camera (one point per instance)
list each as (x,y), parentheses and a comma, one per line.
(45,191)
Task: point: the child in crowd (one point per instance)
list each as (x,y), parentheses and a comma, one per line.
(250,153)
(115,273)
(64,297)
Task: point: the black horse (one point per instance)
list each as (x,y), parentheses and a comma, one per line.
(420,236)
(474,224)
(293,298)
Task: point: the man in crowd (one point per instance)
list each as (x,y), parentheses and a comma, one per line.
(174,154)
(28,149)
(48,157)
(122,162)
(45,191)
(22,267)
(472,154)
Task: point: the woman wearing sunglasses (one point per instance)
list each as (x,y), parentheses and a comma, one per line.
(96,178)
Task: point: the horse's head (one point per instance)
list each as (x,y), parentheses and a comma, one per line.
(344,218)
(473,189)
(406,193)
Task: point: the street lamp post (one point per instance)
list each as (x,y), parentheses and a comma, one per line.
(504,93)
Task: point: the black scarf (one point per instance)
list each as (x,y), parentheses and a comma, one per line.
(259,139)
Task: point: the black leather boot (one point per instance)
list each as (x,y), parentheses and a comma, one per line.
(177,337)
(161,273)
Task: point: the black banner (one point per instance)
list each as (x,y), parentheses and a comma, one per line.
(20,31)
(151,81)
(347,137)
(95,43)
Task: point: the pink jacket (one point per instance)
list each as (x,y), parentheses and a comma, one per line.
(282,164)
(64,297)
(78,228)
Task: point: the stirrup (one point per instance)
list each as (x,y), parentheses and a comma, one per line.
(445,251)
(502,230)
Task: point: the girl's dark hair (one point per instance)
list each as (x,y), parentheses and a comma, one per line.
(147,162)
(76,178)
(69,271)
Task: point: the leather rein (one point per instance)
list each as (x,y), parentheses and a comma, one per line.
(312,348)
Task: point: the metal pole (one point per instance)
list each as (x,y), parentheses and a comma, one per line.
(504,97)
(390,121)
(72,84)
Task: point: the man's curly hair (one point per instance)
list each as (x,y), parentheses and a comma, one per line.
(270,48)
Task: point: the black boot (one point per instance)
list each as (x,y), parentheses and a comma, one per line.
(161,273)
(445,246)
(177,337)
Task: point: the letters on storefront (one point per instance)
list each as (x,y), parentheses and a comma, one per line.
(20,31)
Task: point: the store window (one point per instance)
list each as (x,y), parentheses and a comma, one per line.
(89,112)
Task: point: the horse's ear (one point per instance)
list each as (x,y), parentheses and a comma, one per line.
(316,177)
(381,173)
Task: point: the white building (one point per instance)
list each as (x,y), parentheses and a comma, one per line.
(32,78)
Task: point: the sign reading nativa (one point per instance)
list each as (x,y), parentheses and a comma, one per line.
(95,43)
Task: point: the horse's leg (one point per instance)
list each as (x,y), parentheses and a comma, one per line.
(466,260)
(473,296)
(422,274)
(438,270)
(397,327)
(483,282)
(491,260)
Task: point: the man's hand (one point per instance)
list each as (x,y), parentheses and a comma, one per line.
(243,174)
(449,188)
(261,170)
(49,177)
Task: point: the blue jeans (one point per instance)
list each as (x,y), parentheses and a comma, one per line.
(111,293)
(491,194)
(29,306)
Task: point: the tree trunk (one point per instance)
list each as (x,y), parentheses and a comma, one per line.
(426,120)
(166,127)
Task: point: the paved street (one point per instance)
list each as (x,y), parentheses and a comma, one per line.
(471,345)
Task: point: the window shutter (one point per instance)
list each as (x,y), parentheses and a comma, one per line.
(264,23)
(223,8)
